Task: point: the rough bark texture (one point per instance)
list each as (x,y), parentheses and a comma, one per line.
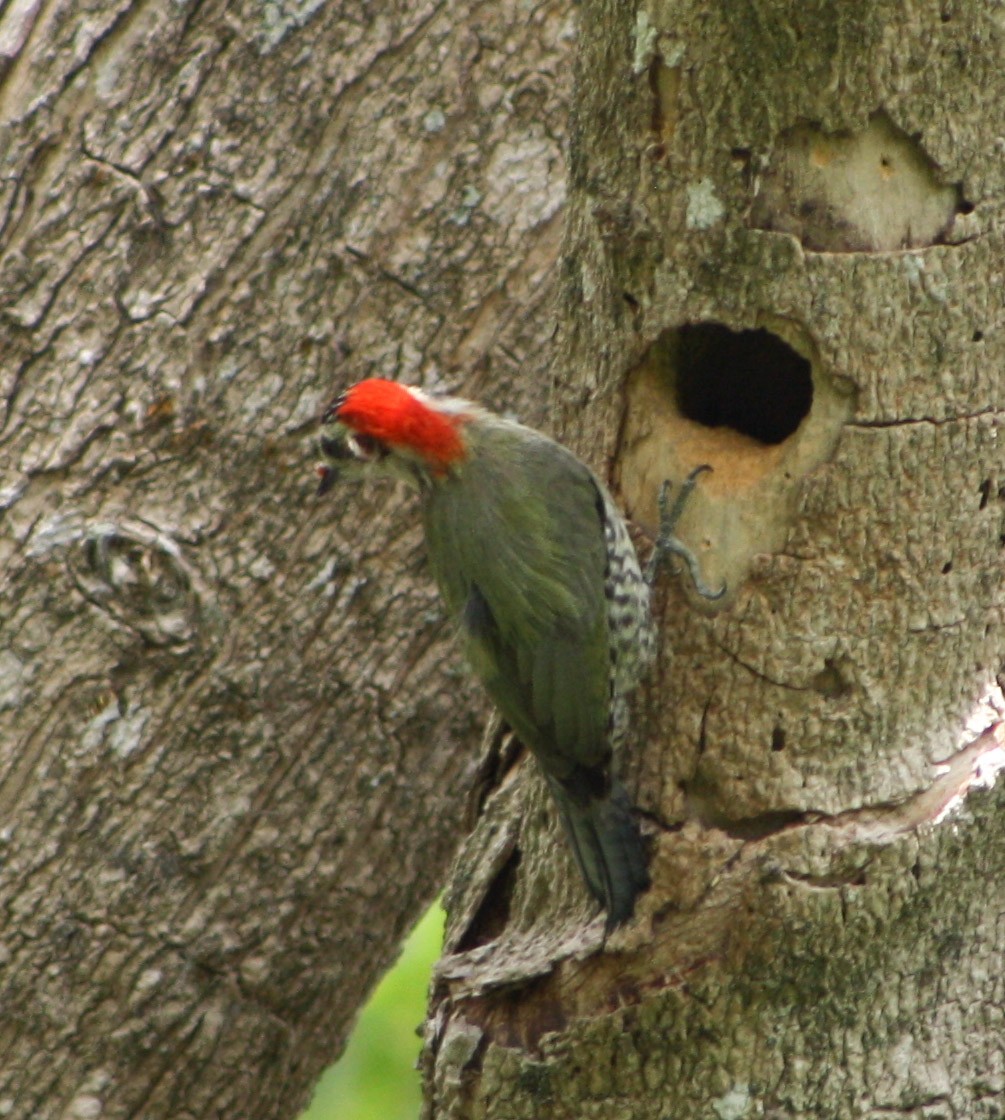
(783,257)
(234,739)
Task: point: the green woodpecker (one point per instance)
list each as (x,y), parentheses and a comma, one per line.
(537,570)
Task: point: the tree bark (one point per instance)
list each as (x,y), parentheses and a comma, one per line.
(783,259)
(235,738)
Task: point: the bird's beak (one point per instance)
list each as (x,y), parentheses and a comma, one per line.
(327,477)
(336,452)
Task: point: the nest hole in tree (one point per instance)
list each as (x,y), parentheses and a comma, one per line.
(748,380)
(755,403)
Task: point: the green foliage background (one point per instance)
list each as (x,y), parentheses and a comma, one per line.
(376,1076)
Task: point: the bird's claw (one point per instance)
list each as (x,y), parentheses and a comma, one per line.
(669,544)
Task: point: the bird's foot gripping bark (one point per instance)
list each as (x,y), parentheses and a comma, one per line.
(668,544)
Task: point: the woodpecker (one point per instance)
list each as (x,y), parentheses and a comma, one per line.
(537,571)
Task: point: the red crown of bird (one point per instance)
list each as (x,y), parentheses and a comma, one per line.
(401,417)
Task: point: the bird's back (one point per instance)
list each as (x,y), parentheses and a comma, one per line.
(523,575)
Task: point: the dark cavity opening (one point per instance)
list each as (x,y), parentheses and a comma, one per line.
(492,915)
(749,380)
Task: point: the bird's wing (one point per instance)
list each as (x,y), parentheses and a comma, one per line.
(516,544)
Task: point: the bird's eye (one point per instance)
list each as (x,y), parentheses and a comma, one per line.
(366,447)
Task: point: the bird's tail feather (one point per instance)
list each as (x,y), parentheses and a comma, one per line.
(607,845)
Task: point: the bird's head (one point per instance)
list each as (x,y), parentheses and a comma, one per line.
(384,428)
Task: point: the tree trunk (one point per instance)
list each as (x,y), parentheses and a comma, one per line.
(235,739)
(783,259)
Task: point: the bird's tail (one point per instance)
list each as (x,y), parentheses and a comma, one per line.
(607,844)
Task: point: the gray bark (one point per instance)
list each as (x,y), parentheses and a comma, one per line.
(824,933)
(234,738)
